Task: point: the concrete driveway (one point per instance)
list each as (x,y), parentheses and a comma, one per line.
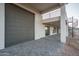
(48,46)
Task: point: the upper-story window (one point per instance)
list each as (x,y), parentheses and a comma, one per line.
(51,14)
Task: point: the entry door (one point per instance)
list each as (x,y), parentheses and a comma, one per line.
(19,25)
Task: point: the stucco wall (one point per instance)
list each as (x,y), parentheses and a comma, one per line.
(64,29)
(51,30)
(2,26)
(39,27)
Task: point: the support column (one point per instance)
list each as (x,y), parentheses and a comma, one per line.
(51,30)
(67,33)
(63,25)
(2,26)
(39,27)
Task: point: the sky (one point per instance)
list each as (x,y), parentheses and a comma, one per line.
(72,9)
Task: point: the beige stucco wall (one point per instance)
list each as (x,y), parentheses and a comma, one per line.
(2,26)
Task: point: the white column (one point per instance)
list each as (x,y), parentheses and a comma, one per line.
(2,26)
(67,33)
(51,30)
(39,27)
(63,25)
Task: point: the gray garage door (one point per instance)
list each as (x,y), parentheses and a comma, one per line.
(19,25)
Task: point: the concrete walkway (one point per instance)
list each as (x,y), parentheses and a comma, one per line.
(48,46)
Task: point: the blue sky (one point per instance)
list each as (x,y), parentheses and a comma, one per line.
(72,9)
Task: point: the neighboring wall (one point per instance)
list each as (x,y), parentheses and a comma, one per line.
(2,26)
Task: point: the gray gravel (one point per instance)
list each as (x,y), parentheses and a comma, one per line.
(48,46)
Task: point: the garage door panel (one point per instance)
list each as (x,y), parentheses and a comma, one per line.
(19,25)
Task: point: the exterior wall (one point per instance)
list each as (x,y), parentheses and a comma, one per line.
(51,30)
(51,19)
(55,13)
(2,26)
(39,27)
(67,33)
(64,29)
(51,14)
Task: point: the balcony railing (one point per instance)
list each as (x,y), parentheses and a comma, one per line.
(51,14)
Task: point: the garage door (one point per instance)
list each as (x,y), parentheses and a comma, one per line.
(19,25)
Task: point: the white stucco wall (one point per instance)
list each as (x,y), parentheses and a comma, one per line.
(51,30)
(2,26)
(64,29)
(51,14)
(39,27)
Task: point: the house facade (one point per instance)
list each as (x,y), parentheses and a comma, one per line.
(20,22)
